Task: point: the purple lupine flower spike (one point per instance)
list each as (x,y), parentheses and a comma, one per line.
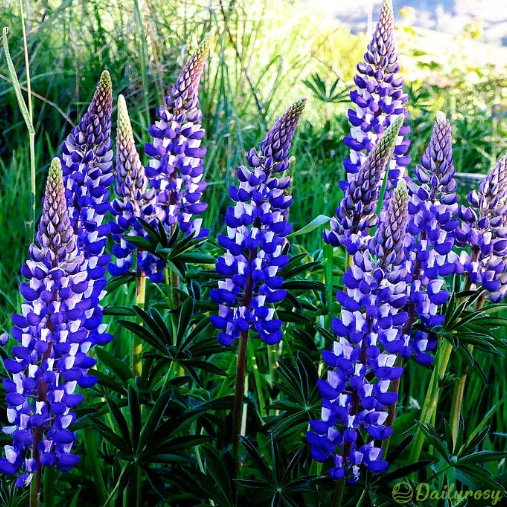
(134,201)
(379,99)
(484,229)
(51,359)
(362,362)
(176,165)
(433,211)
(356,213)
(87,163)
(256,233)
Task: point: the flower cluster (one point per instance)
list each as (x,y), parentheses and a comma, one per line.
(53,332)
(356,213)
(379,99)
(484,228)
(135,201)
(176,166)
(433,219)
(87,163)
(256,233)
(362,362)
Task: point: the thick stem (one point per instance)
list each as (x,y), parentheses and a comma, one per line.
(48,498)
(240,369)
(430,402)
(238,396)
(459,391)
(257,379)
(137,345)
(338,493)
(38,433)
(391,412)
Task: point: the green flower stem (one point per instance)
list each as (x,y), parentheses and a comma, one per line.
(95,466)
(237,413)
(137,345)
(459,391)
(457,401)
(338,493)
(34,494)
(430,402)
(48,492)
(257,379)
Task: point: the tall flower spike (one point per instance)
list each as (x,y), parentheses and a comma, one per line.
(484,228)
(53,334)
(176,165)
(256,233)
(87,163)
(135,201)
(362,362)
(356,213)
(379,99)
(433,212)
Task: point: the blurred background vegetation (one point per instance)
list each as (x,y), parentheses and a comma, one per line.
(267,55)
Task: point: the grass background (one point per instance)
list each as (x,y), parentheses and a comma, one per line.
(267,55)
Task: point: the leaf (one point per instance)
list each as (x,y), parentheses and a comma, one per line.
(187,309)
(141,243)
(304,285)
(314,224)
(258,461)
(135,415)
(125,311)
(406,470)
(154,418)
(120,421)
(179,443)
(118,281)
(486,418)
(434,439)
(119,368)
(144,334)
(483,457)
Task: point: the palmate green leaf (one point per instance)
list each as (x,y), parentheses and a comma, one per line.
(482,426)
(176,444)
(121,422)
(206,347)
(144,334)
(310,227)
(258,462)
(156,414)
(142,243)
(397,451)
(157,326)
(483,457)
(185,315)
(291,271)
(135,416)
(480,477)
(125,311)
(118,281)
(223,403)
(119,368)
(305,285)
(107,382)
(203,365)
(293,316)
(435,440)
(196,258)
(117,441)
(406,470)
